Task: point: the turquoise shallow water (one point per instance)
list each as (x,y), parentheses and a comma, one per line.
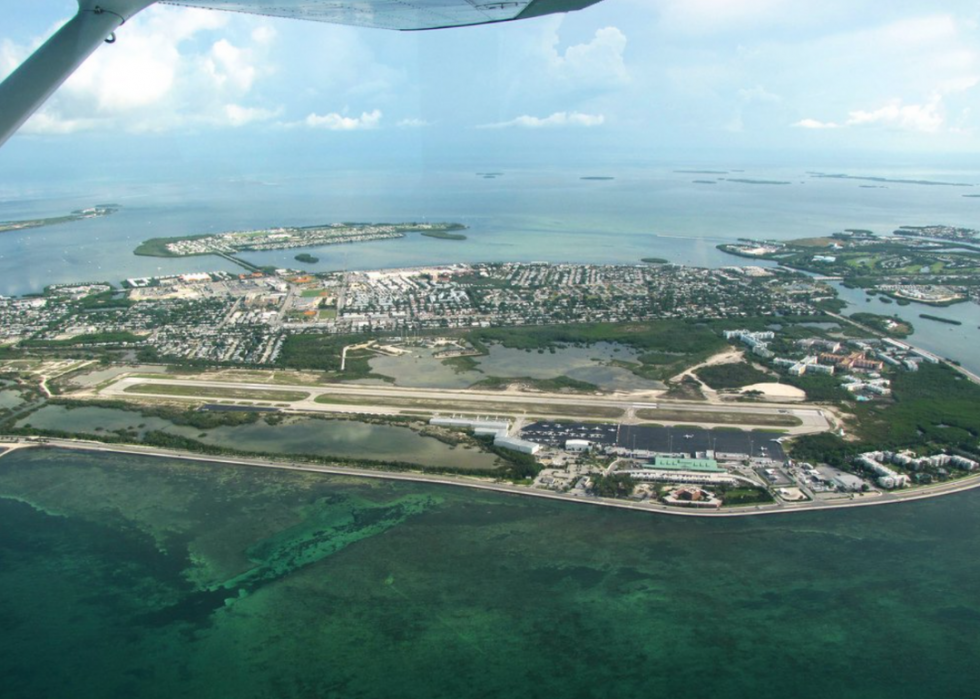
(129,577)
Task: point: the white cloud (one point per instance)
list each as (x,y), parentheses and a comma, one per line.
(596,63)
(166,71)
(413,124)
(814,124)
(231,66)
(758,94)
(338,122)
(911,117)
(240,116)
(926,118)
(557,119)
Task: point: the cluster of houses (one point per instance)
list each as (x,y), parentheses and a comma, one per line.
(878,463)
(860,363)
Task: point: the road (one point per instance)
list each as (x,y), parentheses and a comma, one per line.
(812,419)
(510,489)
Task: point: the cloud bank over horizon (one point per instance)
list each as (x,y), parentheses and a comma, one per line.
(753,74)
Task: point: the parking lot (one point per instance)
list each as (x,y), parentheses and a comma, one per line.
(658,439)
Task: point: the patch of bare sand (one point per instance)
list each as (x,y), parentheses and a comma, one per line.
(777,391)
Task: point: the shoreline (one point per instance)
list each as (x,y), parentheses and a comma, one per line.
(885,498)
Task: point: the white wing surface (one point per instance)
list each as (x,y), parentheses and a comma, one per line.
(395,14)
(28,87)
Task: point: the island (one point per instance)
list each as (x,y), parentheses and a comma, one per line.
(939,232)
(736,384)
(597,178)
(938,319)
(892,326)
(866,178)
(306,258)
(98,211)
(933,265)
(655,261)
(746,180)
(283,238)
(443,235)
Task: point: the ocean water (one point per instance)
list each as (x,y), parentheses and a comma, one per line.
(126,576)
(526,214)
(957,342)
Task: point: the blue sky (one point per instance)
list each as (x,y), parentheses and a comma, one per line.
(624,76)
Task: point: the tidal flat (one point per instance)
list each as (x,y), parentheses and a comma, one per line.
(130,576)
(298,435)
(601,364)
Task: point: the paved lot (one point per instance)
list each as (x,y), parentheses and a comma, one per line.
(659,439)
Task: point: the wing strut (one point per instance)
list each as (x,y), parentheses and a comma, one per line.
(27,88)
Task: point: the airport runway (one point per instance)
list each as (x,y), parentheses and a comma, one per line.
(500,403)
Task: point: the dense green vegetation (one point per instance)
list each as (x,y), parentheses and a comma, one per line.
(735,375)
(520,467)
(661,335)
(826,448)
(881,324)
(654,260)
(932,409)
(818,387)
(743,496)
(104,300)
(322,353)
(935,406)
(88,339)
(615,485)
(938,319)
(192,417)
(157,247)
(461,365)
(667,346)
(444,235)
(306,258)
(516,467)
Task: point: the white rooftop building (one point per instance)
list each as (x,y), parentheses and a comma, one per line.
(498,429)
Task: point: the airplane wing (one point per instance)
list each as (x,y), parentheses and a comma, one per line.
(403,15)
(28,87)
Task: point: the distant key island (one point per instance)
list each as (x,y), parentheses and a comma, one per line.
(286,237)
(96,211)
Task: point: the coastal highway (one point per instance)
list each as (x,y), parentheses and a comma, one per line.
(885,498)
(393,400)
